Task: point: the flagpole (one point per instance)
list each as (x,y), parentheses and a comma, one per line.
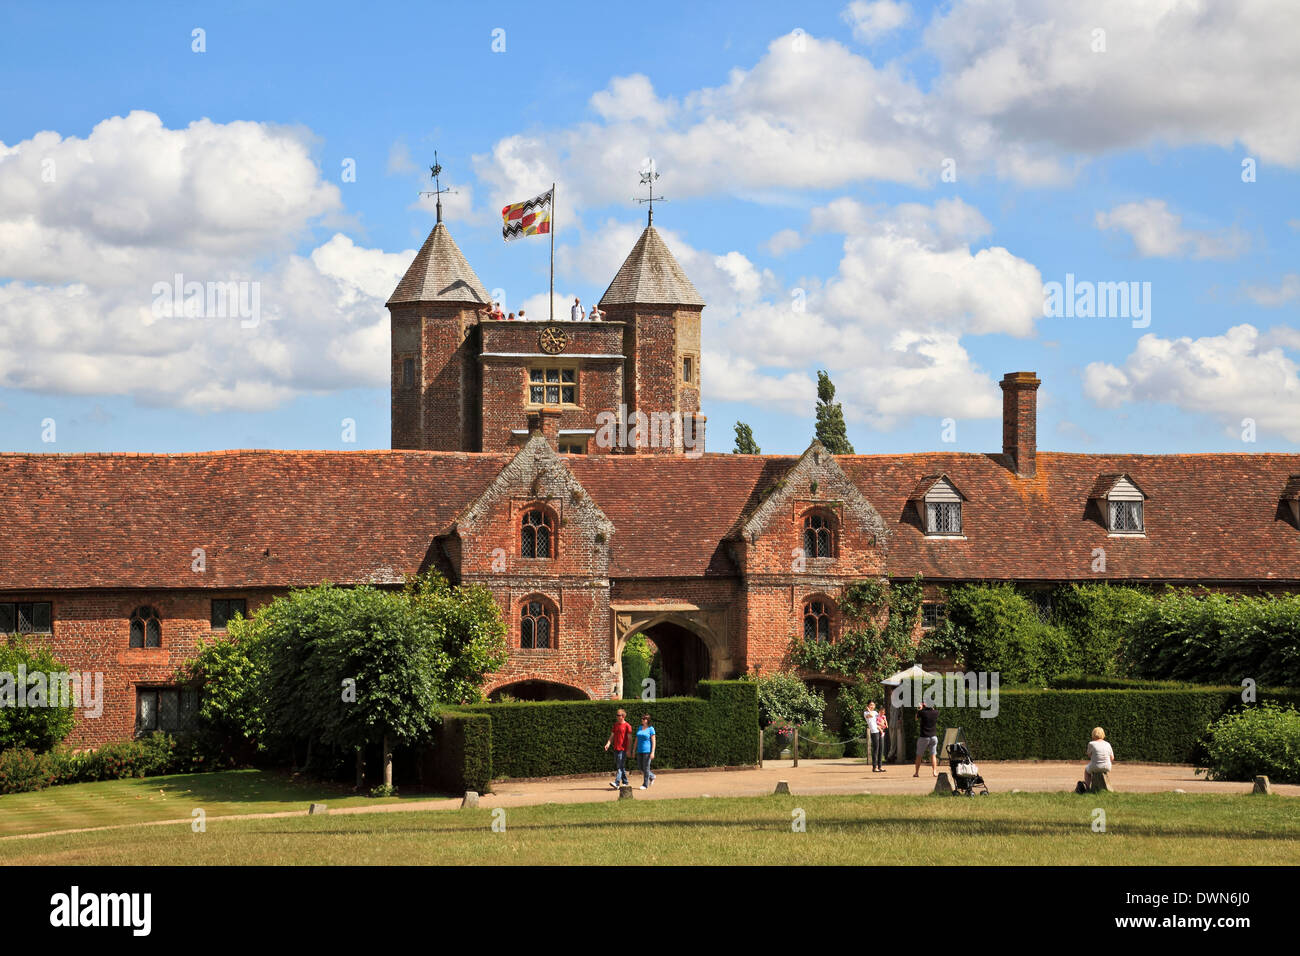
(552,298)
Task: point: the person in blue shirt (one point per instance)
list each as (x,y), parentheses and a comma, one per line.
(645,750)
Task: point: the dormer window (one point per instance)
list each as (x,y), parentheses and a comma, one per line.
(939,502)
(1125,517)
(1121,502)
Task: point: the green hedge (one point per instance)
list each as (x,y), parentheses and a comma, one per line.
(552,738)
(461,756)
(1157,726)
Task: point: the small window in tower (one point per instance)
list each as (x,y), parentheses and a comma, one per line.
(408,373)
(553,386)
(686,368)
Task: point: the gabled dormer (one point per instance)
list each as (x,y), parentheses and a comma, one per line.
(938,502)
(1120,504)
(812,520)
(1290,504)
(534,520)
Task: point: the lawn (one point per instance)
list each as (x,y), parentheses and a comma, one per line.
(112,802)
(1026,829)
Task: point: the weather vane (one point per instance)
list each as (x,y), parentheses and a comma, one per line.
(434,172)
(648,177)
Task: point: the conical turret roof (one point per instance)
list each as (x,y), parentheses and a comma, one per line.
(440,274)
(650,276)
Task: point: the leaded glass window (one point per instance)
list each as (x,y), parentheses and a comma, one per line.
(817,536)
(535,626)
(816,621)
(553,386)
(535,537)
(146,628)
(943,517)
(1126,516)
(25,617)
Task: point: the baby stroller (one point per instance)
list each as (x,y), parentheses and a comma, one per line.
(965,775)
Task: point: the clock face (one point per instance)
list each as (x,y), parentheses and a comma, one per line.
(553,340)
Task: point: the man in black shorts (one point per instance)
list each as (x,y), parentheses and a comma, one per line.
(927,741)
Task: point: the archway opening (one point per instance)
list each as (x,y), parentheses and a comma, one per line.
(536,690)
(681,659)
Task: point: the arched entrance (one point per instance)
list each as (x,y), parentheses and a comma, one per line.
(537,690)
(691,641)
(683,659)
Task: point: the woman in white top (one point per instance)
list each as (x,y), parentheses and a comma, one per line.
(1100,756)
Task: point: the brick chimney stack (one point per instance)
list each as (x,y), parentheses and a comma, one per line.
(1020,421)
(547,421)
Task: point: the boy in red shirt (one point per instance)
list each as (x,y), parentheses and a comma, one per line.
(618,738)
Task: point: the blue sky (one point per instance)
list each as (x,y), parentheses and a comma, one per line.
(803,154)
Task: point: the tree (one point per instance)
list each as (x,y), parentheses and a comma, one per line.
(745,444)
(636,664)
(830,418)
(44,686)
(345,667)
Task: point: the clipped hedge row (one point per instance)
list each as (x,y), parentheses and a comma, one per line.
(552,738)
(461,756)
(1157,726)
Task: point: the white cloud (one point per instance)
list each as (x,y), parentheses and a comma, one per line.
(1172,71)
(1287,291)
(888,324)
(872,19)
(1228,377)
(787,240)
(1157,231)
(134,204)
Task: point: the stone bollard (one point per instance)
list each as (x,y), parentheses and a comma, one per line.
(942,784)
(469,800)
(316,808)
(1262,786)
(626,792)
(782,786)
(1177,791)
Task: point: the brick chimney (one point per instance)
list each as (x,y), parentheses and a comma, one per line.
(1020,421)
(547,421)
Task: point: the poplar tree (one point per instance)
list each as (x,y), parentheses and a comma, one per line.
(745,444)
(830,418)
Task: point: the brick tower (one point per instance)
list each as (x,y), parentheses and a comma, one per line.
(661,344)
(434,320)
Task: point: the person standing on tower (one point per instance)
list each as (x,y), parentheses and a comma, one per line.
(575,313)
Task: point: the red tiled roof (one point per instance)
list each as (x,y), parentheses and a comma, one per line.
(98,521)
(1209,517)
(94,521)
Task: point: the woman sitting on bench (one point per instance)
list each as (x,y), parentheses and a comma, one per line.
(1100,756)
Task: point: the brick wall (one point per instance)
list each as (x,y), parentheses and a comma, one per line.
(91,634)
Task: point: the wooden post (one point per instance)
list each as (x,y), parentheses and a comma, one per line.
(796,747)
(760,748)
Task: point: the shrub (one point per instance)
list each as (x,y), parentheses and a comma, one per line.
(1206,637)
(22,769)
(785,697)
(815,743)
(1257,740)
(36,728)
(1161,726)
(1004,633)
(636,664)
(548,738)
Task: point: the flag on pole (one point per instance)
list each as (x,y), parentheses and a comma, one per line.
(532,217)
